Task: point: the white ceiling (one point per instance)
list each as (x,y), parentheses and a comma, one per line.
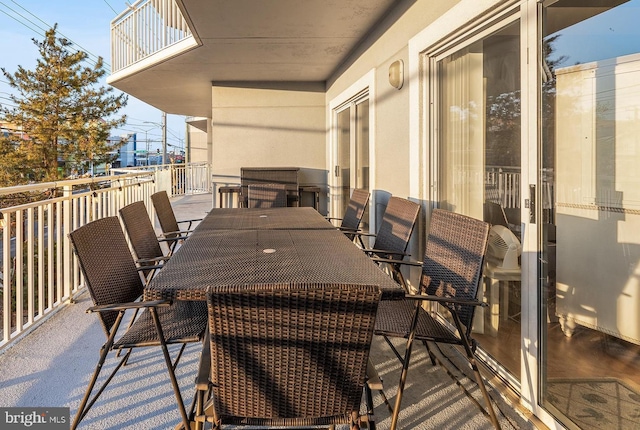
(253,41)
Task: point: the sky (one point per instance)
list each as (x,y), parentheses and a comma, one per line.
(87,24)
(613,33)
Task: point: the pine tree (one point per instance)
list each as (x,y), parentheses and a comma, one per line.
(65,114)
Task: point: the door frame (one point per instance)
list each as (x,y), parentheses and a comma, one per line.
(362,89)
(466,20)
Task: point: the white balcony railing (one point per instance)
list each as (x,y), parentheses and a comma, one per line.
(177,179)
(502,186)
(147,27)
(38,273)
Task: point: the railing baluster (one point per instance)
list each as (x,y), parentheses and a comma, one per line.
(30,265)
(19,269)
(51,265)
(41,261)
(6,278)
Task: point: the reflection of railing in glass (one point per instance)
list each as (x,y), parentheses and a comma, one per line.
(502,186)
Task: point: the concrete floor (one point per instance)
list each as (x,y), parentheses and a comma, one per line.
(51,366)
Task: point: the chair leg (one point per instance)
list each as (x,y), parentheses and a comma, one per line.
(431,356)
(371,422)
(403,380)
(172,375)
(175,362)
(85,405)
(394,349)
(483,390)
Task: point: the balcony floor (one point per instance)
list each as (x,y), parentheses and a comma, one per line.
(51,367)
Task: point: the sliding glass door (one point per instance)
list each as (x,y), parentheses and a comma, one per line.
(352,153)
(590,153)
(479,167)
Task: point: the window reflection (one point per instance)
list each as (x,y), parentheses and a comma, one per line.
(591,236)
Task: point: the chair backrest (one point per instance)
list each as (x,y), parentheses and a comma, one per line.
(142,235)
(494,214)
(268,175)
(164,212)
(398,221)
(355,210)
(283,353)
(454,257)
(267,196)
(108,267)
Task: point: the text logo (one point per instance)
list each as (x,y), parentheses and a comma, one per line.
(34,418)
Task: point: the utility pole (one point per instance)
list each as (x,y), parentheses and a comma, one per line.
(146,139)
(164,138)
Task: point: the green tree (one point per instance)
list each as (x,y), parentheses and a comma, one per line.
(64,112)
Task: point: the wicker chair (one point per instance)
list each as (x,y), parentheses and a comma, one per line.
(392,239)
(289,355)
(287,176)
(267,196)
(114,284)
(350,223)
(166,217)
(451,274)
(145,244)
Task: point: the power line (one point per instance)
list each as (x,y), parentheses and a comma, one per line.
(60,33)
(114,11)
(16,19)
(40,31)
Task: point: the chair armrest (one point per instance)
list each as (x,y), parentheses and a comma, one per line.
(171,239)
(399,262)
(329,218)
(349,230)
(438,299)
(131,305)
(384,251)
(365,234)
(190,220)
(143,268)
(152,260)
(185,232)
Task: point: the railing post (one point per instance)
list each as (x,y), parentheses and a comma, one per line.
(30,269)
(19,268)
(67,228)
(6,276)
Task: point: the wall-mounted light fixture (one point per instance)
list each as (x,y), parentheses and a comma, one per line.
(396,74)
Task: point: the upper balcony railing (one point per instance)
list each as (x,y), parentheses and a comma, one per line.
(147,27)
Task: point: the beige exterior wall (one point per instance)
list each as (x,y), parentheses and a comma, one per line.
(391,155)
(198,146)
(274,126)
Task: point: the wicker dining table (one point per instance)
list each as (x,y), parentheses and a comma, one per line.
(289,218)
(264,250)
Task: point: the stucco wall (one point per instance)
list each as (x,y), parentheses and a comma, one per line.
(278,125)
(384,46)
(198,150)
